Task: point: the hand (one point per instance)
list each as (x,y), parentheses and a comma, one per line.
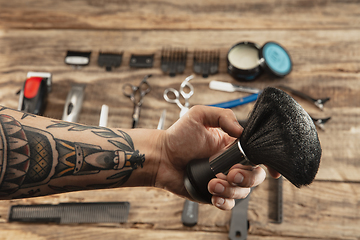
(196,135)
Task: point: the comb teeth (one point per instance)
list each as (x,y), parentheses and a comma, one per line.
(173,60)
(206,62)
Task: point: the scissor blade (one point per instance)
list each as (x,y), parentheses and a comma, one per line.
(162,120)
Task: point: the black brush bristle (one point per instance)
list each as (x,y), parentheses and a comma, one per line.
(282,135)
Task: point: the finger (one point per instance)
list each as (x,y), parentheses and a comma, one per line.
(223,203)
(246,178)
(224,189)
(273,173)
(219,117)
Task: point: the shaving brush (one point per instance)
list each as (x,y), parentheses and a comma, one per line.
(279,133)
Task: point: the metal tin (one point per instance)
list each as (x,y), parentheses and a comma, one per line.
(243,61)
(247,61)
(275,59)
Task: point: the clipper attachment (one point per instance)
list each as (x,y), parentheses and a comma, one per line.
(77,59)
(141,61)
(109,60)
(173,61)
(206,62)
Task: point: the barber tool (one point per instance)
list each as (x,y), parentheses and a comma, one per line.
(173,60)
(73,103)
(141,61)
(279,134)
(136,95)
(236,102)
(77,59)
(189,215)
(246,60)
(34,92)
(317,102)
(279,216)
(186,95)
(109,60)
(104,115)
(229,87)
(206,62)
(162,120)
(67,213)
(239,220)
(320,122)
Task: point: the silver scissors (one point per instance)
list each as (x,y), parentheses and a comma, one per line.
(186,95)
(136,95)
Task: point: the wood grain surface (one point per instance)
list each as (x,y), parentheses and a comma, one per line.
(322,37)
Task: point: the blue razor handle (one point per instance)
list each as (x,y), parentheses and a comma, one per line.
(236,102)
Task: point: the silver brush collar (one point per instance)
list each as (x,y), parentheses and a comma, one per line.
(246,161)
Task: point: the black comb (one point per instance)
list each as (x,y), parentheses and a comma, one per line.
(65,213)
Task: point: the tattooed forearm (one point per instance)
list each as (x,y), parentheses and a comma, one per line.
(31,159)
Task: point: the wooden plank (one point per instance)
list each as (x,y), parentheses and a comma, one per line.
(321,69)
(332,207)
(21,231)
(172,14)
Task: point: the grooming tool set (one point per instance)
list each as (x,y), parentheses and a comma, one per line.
(246,61)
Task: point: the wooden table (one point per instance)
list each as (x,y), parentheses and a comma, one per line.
(322,37)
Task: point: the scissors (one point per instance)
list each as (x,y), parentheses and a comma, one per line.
(186,95)
(136,95)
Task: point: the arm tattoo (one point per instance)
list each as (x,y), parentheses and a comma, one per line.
(31,157)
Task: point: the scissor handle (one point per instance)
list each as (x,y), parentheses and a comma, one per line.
(129,90)
(175,92)
(173,100)
(186,95)
(144,87)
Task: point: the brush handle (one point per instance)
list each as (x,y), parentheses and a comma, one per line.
(200,172)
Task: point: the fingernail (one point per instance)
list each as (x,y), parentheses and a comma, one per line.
(237,124)
(219,188)
(219,202)
(238,178)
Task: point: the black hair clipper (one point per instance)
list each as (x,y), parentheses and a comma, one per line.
(34,92)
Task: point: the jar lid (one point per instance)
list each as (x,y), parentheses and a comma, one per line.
(275,59)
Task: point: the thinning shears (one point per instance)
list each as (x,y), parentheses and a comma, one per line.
(136,95)
(186,95)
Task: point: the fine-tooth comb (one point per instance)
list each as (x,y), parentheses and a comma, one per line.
(173,60)
(206,62)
